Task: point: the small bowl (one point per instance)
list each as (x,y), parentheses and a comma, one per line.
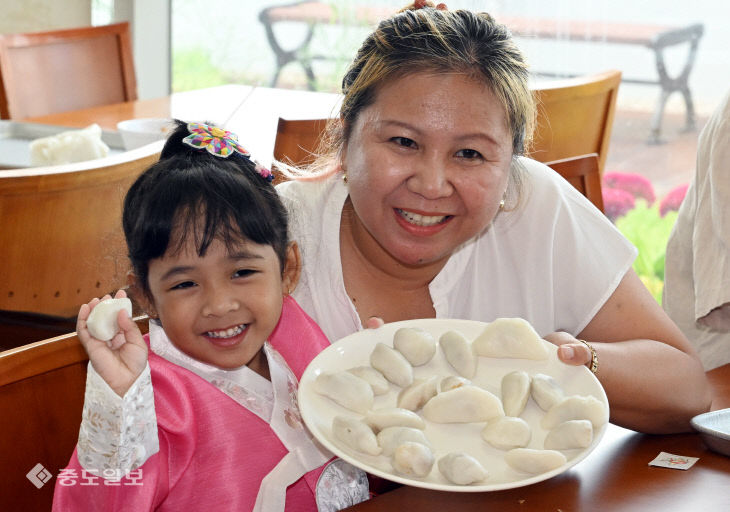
(140,132)
(714,428)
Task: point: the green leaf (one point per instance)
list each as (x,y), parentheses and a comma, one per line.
(649,232)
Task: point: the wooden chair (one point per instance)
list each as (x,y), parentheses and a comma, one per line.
(583,173)
(297,141)
(575,117)
(47,72)
(61,242)
(41,398)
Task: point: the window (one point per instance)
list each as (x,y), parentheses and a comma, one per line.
(226,42)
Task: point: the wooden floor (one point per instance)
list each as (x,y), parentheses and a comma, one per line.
(666,165)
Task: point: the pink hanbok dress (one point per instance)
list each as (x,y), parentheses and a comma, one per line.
(217,447)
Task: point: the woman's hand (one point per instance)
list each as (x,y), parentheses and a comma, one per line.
(570,350)
(118,361)
(374,322)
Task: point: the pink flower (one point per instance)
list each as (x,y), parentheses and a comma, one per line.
(635,184)
(617,202)
(673,200)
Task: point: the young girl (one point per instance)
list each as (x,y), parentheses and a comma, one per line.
(207,419)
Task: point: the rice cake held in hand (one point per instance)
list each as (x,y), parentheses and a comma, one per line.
(102,322)
(511,338)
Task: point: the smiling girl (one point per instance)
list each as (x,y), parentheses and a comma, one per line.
(202,413)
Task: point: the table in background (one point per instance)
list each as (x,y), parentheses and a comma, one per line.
(616,476)
(250,112)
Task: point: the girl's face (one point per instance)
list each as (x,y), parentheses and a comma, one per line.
(220,308)
(427,165)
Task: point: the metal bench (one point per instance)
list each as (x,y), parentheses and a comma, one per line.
(656,38)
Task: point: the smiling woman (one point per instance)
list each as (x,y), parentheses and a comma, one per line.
(425,207)
(464,162)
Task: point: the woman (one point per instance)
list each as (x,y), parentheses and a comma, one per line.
(426,209)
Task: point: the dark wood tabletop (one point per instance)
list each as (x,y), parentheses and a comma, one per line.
(616,476)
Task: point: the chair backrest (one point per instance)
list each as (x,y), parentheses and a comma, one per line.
(297,141)
(582,172)
(47,72)
(575,117)
(61,242)
(41,398)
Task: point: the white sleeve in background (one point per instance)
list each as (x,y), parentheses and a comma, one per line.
(117,433)
(711,228)
(697,270)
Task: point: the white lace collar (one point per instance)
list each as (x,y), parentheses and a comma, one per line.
(243,385)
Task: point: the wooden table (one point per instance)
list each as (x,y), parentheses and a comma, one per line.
(251,112)
(614,477)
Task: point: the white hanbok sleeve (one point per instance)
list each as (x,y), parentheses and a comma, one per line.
(117,433)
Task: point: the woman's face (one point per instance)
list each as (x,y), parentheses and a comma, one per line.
(427,165)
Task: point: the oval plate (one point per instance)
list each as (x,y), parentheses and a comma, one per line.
(354,350)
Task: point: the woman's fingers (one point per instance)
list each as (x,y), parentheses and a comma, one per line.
(570,350)
(574,353)
(374,322)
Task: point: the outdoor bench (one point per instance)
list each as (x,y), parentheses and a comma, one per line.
(654,37)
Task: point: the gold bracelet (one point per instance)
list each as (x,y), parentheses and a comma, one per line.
(594,357)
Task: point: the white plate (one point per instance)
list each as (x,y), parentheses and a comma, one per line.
(354,350)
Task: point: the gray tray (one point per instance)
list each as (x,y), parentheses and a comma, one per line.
(714,428)
(15,139)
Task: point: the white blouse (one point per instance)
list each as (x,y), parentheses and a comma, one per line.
(554,260)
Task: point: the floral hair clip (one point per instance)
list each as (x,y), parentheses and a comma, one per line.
(220,143)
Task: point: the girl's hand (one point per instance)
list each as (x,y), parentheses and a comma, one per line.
(570,350)
(118,361)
